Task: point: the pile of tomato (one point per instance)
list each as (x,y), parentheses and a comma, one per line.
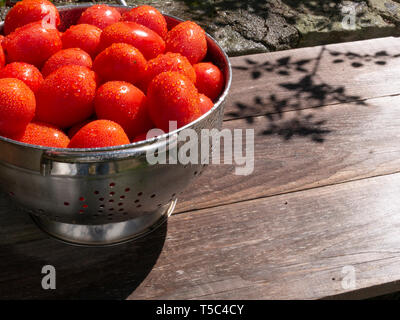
(105,81)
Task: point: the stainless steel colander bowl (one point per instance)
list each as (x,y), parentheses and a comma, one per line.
(103,196)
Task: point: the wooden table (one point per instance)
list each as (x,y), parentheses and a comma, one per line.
(323,201)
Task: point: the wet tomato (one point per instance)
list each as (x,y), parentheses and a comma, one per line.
(99,134)
(120,61)
(72,56)
(25,72)
(124,104)
(209,79)
(66,96)
(33,43)
(149,43)
(83,36)
(172,97)
(100,16)
(149,17)
(188,39)
(17,106)
(27,11)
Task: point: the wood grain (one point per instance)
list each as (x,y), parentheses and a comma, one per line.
(360,141)
(81,272)
(323,195)
(316,76)
(291,246)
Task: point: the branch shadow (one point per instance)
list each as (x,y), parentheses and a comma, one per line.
(308,91)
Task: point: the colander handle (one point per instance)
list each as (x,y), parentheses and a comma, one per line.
(122,3)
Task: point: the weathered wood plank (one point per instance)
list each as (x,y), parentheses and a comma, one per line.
(291,246)
(284,246)
(287,246)
(359,141)
(81,272)
(316,76)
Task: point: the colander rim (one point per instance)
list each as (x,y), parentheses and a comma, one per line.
(139,144)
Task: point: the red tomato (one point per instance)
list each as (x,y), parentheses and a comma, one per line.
(66,96)
(99,134)
(143,136)
(140,137)
(1,39)
(72,56)
(149,43)
(43,134)
(28,11)
(124,104)
(168,62)
(17,106)
(2,57)
(32,43)
(84,36)
(205,103)
(149,17)
(120,61)
(74,129)
(210,80)
(25,72)
(100,16)
(188,39)
(172,97)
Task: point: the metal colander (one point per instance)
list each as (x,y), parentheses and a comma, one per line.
(102,196)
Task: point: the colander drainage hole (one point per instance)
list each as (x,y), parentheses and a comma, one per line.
(81,211)
(111,209)
(127,189)
(110,214)
(66,203)
(138,206)
(101,206)
(112,184)
(81,199)
(85,206)
(120,204)
(96,192)
(101,199)
(122,209)
(139,194)
(112,193)
(11,193)
(152,196)
(111,200)
(173,195)
(137,200)
(122,197)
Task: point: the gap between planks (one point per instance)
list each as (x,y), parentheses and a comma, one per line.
(297,243)
(360,141)
(247,101)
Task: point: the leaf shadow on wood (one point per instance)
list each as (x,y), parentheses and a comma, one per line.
(308,91)
(81,272)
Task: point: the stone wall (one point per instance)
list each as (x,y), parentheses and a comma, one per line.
(253,26)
